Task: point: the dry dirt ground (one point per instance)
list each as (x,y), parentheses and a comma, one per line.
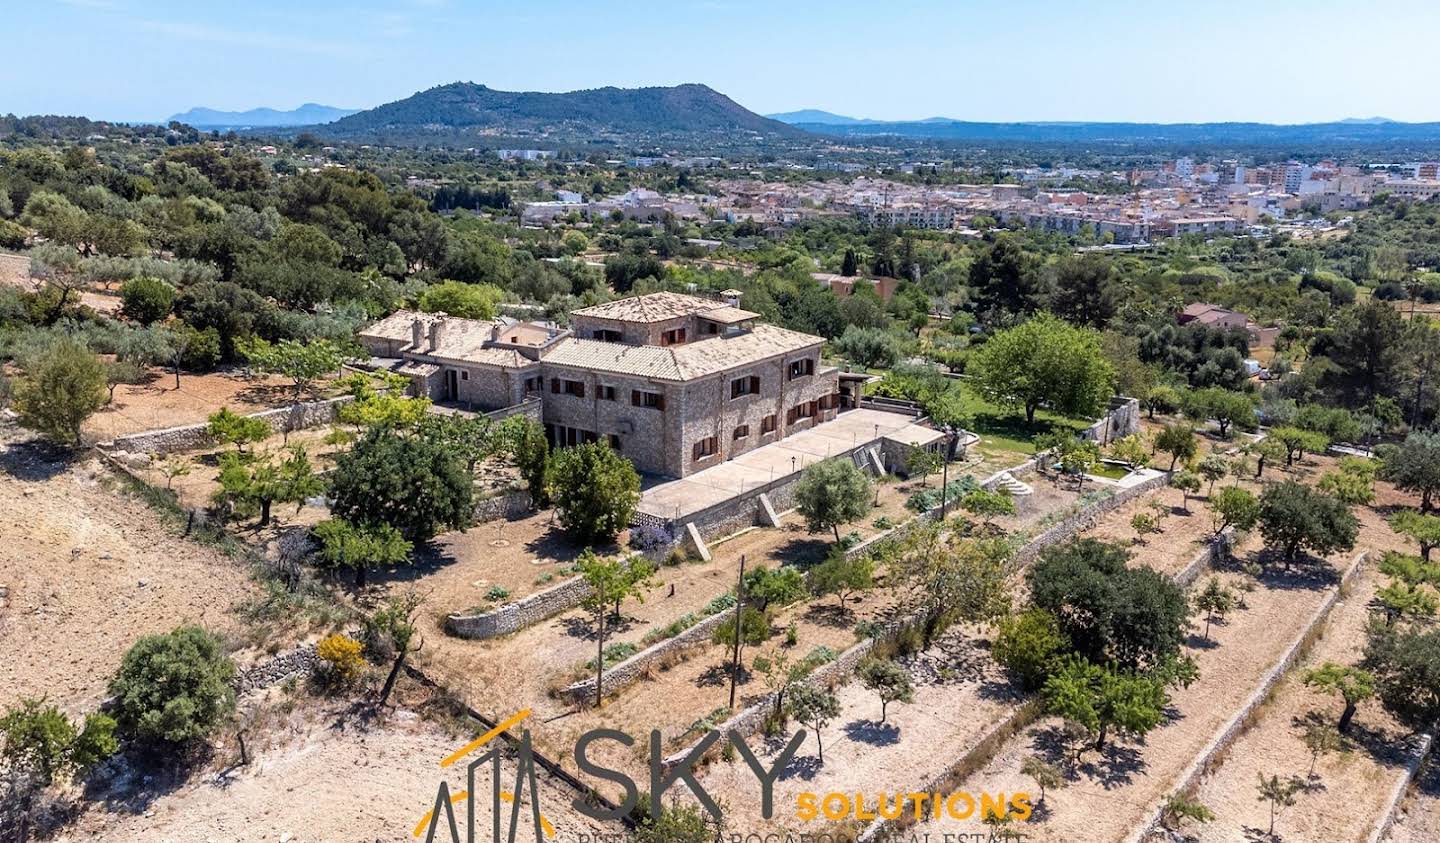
(959,693)
(322,770)
(89,568)
(1109,794)
(159,404)
(15,272)
(1348,790)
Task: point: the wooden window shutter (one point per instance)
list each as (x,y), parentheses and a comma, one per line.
(555,385)
(755,384)
(581,392)
(634,397)
(660,402)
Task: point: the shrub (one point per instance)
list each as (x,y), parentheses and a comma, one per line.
(342,655)
(615,653)
(497,593)
(173,688)
(648,538)
(954,491)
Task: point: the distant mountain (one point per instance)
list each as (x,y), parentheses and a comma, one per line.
(816,117)
(465,111)
(309,114)
(1367,121)
(1361,131)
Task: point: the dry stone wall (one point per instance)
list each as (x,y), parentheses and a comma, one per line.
(514,617)
(1214,754)
(188,437)
(635,668)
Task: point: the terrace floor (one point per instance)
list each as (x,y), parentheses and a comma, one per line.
(679,498)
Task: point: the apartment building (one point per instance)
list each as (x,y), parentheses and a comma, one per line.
(675,383)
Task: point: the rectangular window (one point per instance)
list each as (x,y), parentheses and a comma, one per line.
(464,375)
(606,335)
(745,386)
(674,336)
(534,384)
(605,393)
(768,424)
(555,386)
(802,411)
(614,440)
(649,400)
(802,368)
(706,447)
(575,388)
(742,431)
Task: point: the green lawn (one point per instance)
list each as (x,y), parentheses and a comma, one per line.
(1006,430)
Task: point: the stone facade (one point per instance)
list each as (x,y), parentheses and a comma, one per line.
(1122,419)
(675,383)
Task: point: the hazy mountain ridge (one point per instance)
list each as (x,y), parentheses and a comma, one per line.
(309,114)
(1371,130)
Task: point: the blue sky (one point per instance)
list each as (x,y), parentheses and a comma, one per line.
(1276,61)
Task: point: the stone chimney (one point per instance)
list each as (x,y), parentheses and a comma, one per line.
(732,297)
(417,333)
(437,334)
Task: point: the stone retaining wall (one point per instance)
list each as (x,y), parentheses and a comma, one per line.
(1083,519)
(1189,781)
(750,720)
(978,756)
(1214,551)
(299,661)
(514,617)
(508,507)
(636,667)
(188,437)
(1397,793)
(737,513)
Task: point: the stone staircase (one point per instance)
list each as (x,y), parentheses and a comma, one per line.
(1007,482)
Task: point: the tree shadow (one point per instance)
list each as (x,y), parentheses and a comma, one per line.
(872,732)
(829,614)
(804,767)
(1116,766)
(36,460)
(803,552)
(1196,641)
(1308,573)
(132,780)
(718,676)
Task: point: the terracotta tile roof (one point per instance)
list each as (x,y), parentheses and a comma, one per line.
(396,326)
(646,361)
(681,362)
(727,315)
(654,307)
(698,359)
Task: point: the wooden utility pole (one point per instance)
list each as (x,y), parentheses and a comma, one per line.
(735,649)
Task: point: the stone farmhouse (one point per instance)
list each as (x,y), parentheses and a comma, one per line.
(676,383)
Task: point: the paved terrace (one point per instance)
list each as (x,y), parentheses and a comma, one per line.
(679,498)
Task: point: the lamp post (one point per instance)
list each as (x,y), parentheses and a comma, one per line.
(792,465)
